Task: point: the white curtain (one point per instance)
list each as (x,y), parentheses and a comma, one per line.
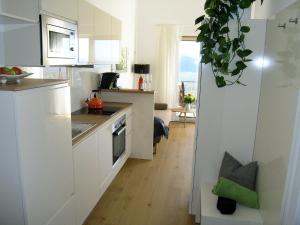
(166,76)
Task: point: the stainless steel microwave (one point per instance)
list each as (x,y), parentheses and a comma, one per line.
(59,41)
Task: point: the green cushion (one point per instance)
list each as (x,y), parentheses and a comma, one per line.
(229,189)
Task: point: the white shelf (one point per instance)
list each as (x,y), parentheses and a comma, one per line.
(210,215)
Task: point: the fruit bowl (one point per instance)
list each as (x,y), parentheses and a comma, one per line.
(4,78)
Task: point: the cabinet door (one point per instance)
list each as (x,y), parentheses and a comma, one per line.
(85,19)
(102,25)
(63,8)
(86,177)
(116,29)
(105,153)
(25,9)
(66,214)
(85,31)
(45,150)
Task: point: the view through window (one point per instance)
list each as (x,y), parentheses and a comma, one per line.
(189,53)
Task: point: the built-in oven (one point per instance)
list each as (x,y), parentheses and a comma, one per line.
(59,41)
(119,138)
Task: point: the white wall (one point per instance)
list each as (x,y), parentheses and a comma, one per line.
(269,8)
(155,12)
(227,117)
(277,144)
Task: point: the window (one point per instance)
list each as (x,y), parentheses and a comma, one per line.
(189,53)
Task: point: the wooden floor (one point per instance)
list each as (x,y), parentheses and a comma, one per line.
(152,192)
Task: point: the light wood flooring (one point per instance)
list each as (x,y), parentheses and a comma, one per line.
(152,192)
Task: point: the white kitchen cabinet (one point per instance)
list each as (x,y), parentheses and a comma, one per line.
(99,35)
(63,8)
(25,10)
(36,163)
(86,176)
(85,18)
(105,148)
(102,25)
(116,28)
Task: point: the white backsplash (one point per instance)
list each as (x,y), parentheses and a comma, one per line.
(82,80)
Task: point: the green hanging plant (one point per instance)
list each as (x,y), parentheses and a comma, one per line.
(223,48)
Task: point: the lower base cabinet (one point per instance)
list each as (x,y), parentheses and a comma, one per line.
(93,168)
(86,168)
(66,215)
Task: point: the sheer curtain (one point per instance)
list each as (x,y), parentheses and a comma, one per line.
(166,76)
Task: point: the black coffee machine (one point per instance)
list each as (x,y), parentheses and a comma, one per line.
(108,80)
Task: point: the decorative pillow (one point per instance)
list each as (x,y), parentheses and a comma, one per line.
(245,175)
(229,189)
(229,165)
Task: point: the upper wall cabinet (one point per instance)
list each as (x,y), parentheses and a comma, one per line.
(99,35)
(63,8)
(25,10)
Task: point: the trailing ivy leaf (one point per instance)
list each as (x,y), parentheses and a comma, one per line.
(207,4)
(242,38)
(241,65)
(261,2)
(235,72)
(247,52)
(248,60)
(199,19)
(235,44)
(220,81)
(245,29)
(210,12)
(240,53)
(206,59)
(244,4)
(224,30)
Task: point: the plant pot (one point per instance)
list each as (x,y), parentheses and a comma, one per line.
(187,107)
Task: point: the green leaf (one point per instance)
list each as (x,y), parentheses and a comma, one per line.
(244,4)
(224,30)
(242,38)
(210,12)
(262,1)
(240,53)
(235,72)
(199,19)
(220,81)
(245,29)
(202,38)
(248,60)
(241,65)
(206,59)
(207,4)
(247,52)
(235,44)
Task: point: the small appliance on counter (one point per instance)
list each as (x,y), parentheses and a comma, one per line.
(144,81)
(108,80)
(95,103)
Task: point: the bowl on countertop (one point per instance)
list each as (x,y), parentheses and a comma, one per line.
(4,78)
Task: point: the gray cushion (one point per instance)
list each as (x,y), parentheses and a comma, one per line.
(245,175)
(229,165)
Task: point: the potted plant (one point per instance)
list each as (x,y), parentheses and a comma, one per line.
(188,100)
(223,47)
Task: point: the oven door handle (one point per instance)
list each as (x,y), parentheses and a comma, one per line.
(119,131)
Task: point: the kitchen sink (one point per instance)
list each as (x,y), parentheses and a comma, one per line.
(79,128)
